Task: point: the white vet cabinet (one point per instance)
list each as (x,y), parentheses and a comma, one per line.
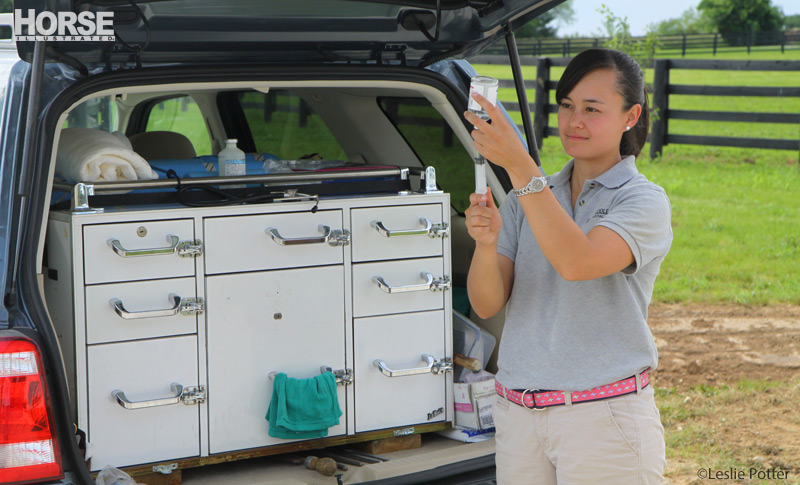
(171,319)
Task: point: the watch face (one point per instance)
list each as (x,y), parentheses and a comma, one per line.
(537,185)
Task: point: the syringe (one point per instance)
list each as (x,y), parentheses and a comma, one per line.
(480,177)
(487,87)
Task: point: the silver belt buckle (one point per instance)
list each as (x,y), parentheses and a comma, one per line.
(533,397)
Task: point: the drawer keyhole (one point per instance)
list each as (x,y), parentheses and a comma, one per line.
(141,231)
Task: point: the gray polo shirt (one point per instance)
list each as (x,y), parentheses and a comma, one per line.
(576,335)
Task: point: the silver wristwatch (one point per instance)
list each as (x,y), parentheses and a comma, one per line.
(537,184)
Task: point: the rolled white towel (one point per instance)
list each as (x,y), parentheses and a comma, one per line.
(87,155)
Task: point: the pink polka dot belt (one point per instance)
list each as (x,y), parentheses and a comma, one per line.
(540,399)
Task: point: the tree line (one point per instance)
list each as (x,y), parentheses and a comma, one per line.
(730,18)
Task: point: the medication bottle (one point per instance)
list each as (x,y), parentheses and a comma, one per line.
(231,160)
(485,86)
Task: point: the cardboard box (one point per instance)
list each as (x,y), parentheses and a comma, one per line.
(473,403)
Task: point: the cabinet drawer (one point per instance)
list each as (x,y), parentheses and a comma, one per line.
(144,309)
(406,281)
(400,342)
(288,321)
(245,243)
(395,232)
(143,251)
(145,372)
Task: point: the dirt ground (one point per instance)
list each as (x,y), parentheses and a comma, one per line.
(715,345)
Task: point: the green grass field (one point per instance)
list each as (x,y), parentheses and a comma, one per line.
(736,211)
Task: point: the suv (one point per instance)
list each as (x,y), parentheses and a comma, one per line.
(343,108)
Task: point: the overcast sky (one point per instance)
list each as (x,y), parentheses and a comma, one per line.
(640,13)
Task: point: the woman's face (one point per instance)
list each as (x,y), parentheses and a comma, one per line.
(591,118)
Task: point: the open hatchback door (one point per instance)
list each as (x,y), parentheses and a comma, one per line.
(159,312)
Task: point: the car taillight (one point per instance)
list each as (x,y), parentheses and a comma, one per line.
(28,445)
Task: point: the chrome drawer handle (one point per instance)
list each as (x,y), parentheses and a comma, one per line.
(431,230)
(343,377)
(123,313)
(378,225)
(430,284)
(282,241)
(130,253)
(123,401)
(432,366)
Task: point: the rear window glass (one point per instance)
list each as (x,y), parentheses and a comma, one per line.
(286,127)
(435,144)
(182,115)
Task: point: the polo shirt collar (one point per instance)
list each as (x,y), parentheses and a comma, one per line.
(613,178)
(619,174)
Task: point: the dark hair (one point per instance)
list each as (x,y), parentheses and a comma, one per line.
(630,85)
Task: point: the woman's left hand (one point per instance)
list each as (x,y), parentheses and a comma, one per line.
(498,141)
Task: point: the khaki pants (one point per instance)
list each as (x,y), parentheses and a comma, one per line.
(617,441)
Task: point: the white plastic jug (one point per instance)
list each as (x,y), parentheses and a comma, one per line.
(231,159)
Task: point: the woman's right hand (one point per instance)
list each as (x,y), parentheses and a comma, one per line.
(483,223)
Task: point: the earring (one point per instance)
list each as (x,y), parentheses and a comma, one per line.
(627,128)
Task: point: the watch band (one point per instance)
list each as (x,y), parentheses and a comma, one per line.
(537,184)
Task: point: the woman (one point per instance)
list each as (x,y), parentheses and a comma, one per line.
(574,256)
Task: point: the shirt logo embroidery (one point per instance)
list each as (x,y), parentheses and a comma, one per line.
(601,213)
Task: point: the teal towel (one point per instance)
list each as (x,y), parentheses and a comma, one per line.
(303,408)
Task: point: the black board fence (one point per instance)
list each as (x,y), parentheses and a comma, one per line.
(662,89)
(660,135)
